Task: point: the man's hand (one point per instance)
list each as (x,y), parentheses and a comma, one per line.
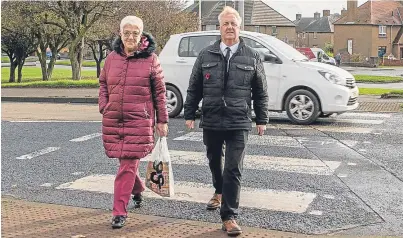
(260,129)
(190,124)
(162,129)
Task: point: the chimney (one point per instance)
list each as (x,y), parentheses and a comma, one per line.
(316,15)
(343,12)
(326,13)
(352,6)
(298,16)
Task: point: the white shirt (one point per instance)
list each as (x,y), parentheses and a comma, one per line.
(233,48)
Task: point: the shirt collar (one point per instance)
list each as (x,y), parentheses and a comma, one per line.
(233,48)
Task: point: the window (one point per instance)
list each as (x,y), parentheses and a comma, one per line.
(315,35)
(303,35)
(257,28)
(257,46)
(191,46)
(274,30)
(401,53)
(382,31)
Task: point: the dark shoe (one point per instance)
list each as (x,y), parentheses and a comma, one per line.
(231,227)
(118,222)
(137,199)
(215,202)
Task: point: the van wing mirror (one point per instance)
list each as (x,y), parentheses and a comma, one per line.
(269,57)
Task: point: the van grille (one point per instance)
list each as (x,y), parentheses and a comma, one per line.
(350,83)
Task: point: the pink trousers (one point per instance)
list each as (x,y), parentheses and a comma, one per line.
(127,182)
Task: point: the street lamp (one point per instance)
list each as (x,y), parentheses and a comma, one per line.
(200,18)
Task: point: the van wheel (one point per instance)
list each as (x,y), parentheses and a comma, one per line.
(174,101)
(302,107)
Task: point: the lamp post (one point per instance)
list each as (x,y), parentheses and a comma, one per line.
(241,7)
(200,18)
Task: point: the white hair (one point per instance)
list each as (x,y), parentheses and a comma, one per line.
(131,20)
(229,10)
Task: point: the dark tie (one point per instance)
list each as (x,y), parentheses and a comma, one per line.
(227,57)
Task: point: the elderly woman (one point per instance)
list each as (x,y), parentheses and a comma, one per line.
(131,93)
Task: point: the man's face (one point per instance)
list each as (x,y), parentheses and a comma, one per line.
(229,27)
(130,37)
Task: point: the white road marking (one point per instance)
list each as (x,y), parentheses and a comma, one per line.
(349,143)
(87,137)
(47,185)
(365,115)
(276,200)
(342,175)
(38,153)
(284,141)
(283,164)
(352,164)
(328,196)
(77,173)
(357,130)
(353,121)
(316,213)
(362,150)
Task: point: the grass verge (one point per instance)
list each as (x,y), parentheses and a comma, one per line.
(61,78)
(381,91)
(377,79)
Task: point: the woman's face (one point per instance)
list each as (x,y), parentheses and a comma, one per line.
(130,36)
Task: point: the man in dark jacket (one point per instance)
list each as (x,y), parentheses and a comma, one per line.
(227,76)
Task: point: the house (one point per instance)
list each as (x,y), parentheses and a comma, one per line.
(372,30)
(315,31)
(258,17)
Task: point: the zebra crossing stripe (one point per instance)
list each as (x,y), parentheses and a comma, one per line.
(269,199)
(258,162)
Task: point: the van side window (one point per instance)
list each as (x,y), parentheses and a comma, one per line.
(257,46)
(191,46)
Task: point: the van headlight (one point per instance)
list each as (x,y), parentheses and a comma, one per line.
(334,78)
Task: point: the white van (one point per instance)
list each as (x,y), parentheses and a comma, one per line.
(304,89)
(313,54)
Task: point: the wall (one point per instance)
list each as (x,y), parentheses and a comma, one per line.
(360,34)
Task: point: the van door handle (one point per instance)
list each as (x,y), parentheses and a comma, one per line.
(181,61)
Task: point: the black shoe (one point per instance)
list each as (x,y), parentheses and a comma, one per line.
(137,199)
(118,222)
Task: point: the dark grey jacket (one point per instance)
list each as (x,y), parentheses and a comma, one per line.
(228,107)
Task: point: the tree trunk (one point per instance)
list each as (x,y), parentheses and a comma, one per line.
(42,60)
(76,56)
(13,65)
(99,60)
(51,64)
(20,65)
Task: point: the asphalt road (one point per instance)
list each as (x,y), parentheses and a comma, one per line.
(341,175)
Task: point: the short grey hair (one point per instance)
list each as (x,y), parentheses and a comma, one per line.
(229,10)
(131,20)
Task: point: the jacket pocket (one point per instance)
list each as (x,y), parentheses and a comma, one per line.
(244,74)
(210,72)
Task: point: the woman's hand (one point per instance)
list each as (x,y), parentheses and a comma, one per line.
(162,129)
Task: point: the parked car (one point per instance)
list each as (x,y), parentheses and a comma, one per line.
(317,55)
(304,89)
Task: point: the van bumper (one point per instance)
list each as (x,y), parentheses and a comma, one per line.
(341,99)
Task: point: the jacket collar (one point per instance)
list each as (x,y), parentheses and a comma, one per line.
(216,49)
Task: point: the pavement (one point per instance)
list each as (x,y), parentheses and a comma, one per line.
(90,95)
(21,218)
(381,85)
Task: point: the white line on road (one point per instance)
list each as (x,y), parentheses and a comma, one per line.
(364,115)
(284,141)
(283,164)
(354,121)
(38,153)
(276,200)
(87,137)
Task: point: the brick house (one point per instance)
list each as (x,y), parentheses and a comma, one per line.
(315,31)
(258,17)
(371,30)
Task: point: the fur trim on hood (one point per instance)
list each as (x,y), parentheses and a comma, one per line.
(147,47)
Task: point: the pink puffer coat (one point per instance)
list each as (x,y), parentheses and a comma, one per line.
(132,91)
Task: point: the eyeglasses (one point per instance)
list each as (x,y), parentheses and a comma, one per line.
(127,34)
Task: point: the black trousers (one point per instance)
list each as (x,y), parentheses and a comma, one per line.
(227,178)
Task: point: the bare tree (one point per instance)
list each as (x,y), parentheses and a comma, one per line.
(77,18)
